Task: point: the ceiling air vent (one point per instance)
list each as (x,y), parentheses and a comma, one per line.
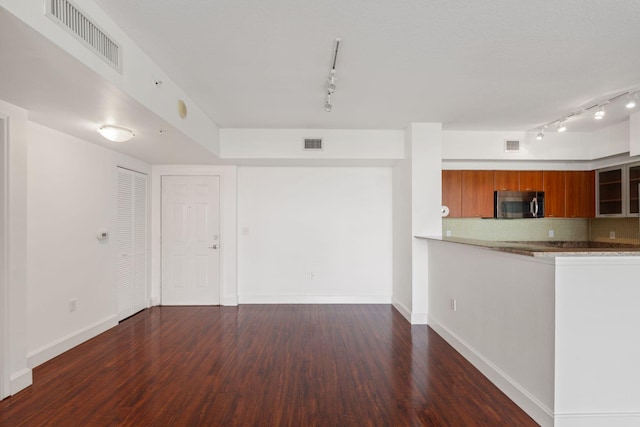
(313,143)
(511,146)
(73,20)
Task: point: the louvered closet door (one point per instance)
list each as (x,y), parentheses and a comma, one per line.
(131,243)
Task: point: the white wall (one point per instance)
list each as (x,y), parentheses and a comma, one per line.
(288,144)
(14,306)
(597,348)
(555,147)
(5,385)
(71,197)
(314,235)
(402,235)
(504,318)
(634,134)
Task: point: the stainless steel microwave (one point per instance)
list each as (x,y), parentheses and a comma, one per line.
(518,204)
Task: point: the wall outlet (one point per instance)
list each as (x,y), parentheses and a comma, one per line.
(448,233)
(72,304)
(453,304)
(551,233)
(612,234)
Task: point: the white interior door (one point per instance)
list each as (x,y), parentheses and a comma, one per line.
(131,243)
(190,240)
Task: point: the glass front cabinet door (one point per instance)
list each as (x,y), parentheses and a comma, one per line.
(610,192)
(633,184)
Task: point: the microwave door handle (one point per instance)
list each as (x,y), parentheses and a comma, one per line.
(534,207)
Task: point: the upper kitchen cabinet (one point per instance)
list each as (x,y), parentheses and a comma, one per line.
(610,191)
(477,193)
(530,181)
(452,192)
(553,185)
(506,180)
(633,180)
(580,194)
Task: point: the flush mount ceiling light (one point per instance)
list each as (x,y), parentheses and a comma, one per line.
(540,135)
(331,81)
(116,133)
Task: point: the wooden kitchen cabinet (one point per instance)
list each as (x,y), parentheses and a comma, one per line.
(477,193)
(506,180)
(553,185)
(580,194)
(452,192)
(530,181)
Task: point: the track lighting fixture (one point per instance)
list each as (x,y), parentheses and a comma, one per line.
(331,81)
(597,108)
(599,114)
(631,101)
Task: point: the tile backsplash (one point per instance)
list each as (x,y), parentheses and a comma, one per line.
(623,230)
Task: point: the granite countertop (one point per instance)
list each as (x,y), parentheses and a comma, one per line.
(550,248)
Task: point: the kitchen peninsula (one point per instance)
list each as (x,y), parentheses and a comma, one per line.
(554,327)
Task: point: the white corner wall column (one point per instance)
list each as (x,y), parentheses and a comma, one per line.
(4,305)
(426,202)
(228,226)
(417,199)
(15,373)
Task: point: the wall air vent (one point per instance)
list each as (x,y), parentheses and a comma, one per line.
(73,20)
(511,146)
(313,143)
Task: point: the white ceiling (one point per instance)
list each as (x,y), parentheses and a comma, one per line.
(472,65)
(63,94)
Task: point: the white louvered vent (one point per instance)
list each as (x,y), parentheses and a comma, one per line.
(313,143)
(72,19)
(511,146)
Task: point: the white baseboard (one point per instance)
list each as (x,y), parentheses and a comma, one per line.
(413,318)
(229,301)
(20,380)
(598,420)
(532,406)
(155,301)
(402,309)
(314,299)
(58,347)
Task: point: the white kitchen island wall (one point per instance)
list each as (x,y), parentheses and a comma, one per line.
(557,334)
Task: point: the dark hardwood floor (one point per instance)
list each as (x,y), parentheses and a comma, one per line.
(262,365)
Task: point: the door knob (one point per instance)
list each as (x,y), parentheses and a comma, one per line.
(215,246)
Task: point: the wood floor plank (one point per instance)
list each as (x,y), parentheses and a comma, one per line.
(262,365)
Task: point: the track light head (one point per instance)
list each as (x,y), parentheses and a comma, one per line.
(599,115)
(327,103)
(540,135)
(331,84)
(562,127)
(631,101)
